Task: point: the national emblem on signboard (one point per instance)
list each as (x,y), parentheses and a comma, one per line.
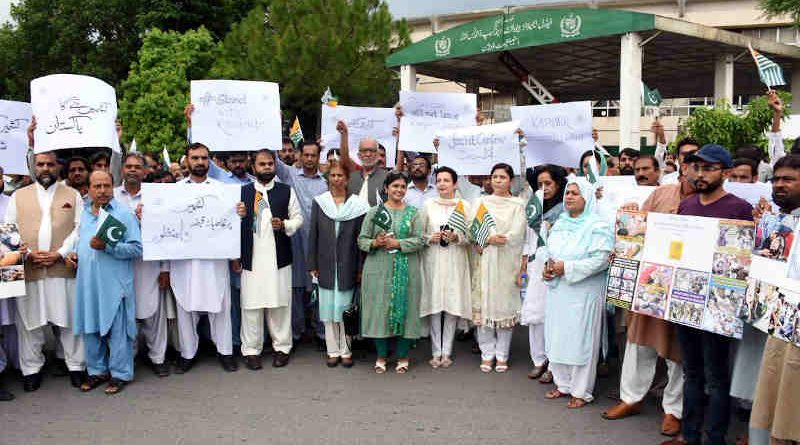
(442,46)
(570,25)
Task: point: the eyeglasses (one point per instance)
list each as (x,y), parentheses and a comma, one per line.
(705,168)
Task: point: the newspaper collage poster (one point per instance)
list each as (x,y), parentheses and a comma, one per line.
(772,300)
(12,278)
(692,271)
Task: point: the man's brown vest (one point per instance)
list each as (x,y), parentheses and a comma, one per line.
(62,223)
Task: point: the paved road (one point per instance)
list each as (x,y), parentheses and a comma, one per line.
(308,403)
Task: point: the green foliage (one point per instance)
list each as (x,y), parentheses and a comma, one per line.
(781,7)
(308,45)
(157,89)
(720,125)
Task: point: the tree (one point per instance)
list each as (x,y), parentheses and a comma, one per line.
(157,89)
(308,45)
(781,7)
(720,125)
(182,15)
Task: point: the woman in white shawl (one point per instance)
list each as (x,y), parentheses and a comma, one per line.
(334,258)
(578,248)
(446,293)
(499,230)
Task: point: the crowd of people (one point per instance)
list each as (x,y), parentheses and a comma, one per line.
(344,250)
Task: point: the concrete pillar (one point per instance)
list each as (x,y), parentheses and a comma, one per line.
(723,78)
(795,88)
(408,78)
(630,91)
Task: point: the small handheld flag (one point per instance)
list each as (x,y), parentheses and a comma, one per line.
(165,155)
(329,99)
(260,205)
(651,98)
(458,218)
(296,133)
(770,72)
(382,218)
(534,208)
(111,230)
(482,226)
(133,146)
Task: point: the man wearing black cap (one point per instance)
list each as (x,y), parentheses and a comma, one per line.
(705,354)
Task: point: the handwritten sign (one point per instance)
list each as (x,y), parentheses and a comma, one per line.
(236,115)
(474,150)
(426,114)
(73,111)
(14,120)
(556,133)
(361,122)
(190,221)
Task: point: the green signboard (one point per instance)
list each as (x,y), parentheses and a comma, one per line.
(521,30)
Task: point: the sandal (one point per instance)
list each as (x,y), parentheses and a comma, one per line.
(115,386)
(435,362)
(93,381)
(446,362)
(402,366)
(555,394)
(576,403)
(486,366)
(546,378)
(501,367)
(380,366)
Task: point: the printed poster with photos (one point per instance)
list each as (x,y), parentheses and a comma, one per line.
(12,278)
(690,270)
(772,300)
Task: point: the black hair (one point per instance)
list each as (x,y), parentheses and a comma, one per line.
(132,154)
(752,163)
(652,159)
(557,173)
(629,152)
(98,156)
(445,169)
(311,142)
(789,161)
(394,176)
(196,146)
(80,159)
(159,175)
(750,152)
(505,167)
(586,154)
(287,140)
(685,141)
(426,159)
(331,152)
(265,151)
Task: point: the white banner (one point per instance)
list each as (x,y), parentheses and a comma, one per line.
(750,192)
(474,150)
(556,133)
(14,120)
(73,111)
(236,115)
(426,114)
(190,221)
(361,122)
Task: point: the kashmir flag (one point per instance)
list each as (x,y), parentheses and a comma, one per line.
(382,218)
(771,73)
(296,133)
(329,99)
(458,218)
(482,226)
(651,98)
(111,230)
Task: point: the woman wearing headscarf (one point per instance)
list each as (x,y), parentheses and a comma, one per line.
(334,258)
(446,276)
(578,248)
(391,235)
(500,234)
(542,211)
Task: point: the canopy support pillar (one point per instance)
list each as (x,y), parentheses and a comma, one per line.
(408,78)
(795,86)
(630,90)
(723,78)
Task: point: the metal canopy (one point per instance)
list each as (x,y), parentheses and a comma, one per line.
(575,53)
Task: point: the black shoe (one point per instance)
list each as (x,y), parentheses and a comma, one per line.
(183,365)
(161,369)
(279,359)
(32,382)
(228,363)
(59,368)
(5,395)
(321,346)
(253,362)
(76,378)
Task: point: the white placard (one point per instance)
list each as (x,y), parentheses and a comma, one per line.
(474,150)
(426,114)
(236,115)
(14,120)
(190,221)
(557,133)
(73,111)
(750,192)
(361,122)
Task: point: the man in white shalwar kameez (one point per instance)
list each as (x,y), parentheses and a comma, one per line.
(47,214)
(151,278)
(273,216)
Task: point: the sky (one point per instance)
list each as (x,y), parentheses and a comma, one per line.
(5,7)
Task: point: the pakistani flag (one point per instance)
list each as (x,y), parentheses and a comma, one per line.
(482,226)
(595,170)
(329,99)
(770,72)
(111,230)
(651,98)
(534,208)
(382,218)
(296,133)
(458,219)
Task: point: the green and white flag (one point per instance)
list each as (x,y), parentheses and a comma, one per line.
(165,155)
(458,219)
(296,133)
(596,171)
(771,73)
(651,98)
(133,146)
(482,226)
(382,218)
(534,208)
(111,229)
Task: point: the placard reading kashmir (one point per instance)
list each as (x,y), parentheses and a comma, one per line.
(73,111)
(362,122)
(236,115)
(688,269)
(14,120)
(557,133)
(190,221)
(426,114)
(474,150)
